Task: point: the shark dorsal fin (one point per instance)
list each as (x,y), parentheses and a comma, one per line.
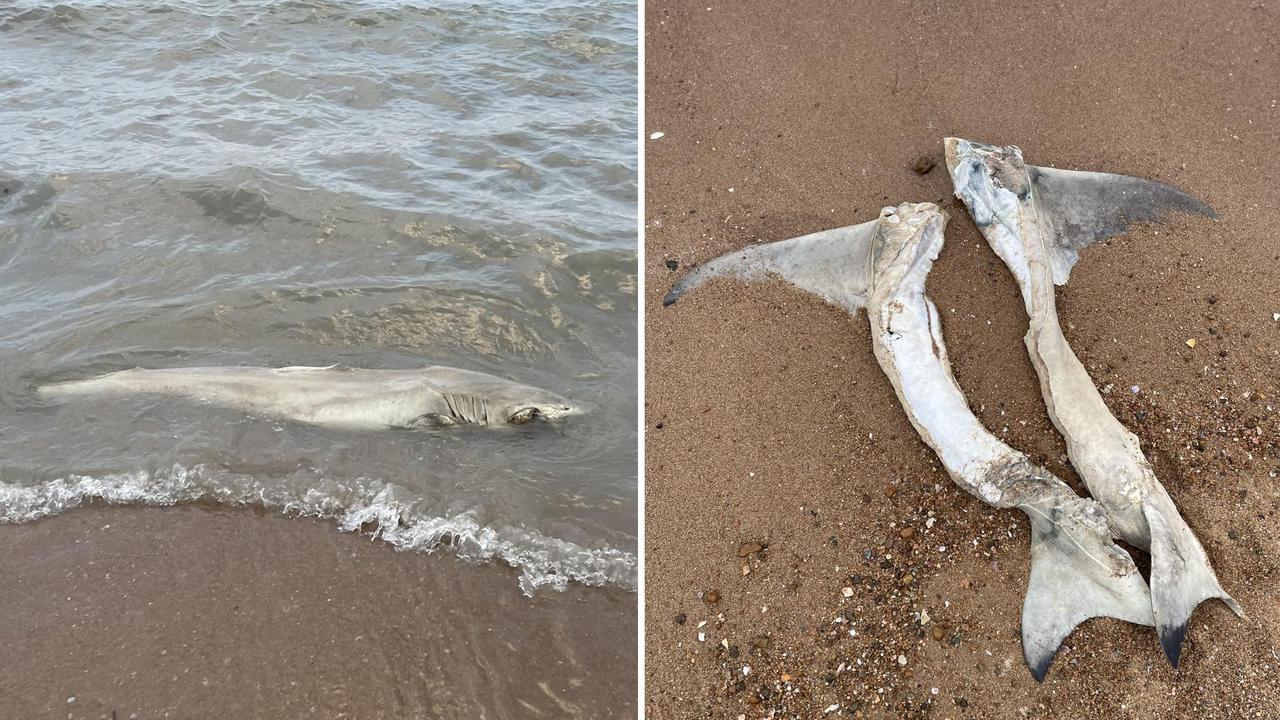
(832,264)
(1086,207)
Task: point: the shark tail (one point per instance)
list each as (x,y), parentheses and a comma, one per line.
(71,388)
(832,264)
(120,382)
(1181,577)
(1077,573)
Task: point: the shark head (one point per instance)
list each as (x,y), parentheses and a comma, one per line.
(482,399)
(520,404)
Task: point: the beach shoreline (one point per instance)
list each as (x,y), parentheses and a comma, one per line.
(194,611)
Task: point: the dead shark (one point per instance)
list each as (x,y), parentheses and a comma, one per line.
(1037,220)
(338,397)
(1077,571)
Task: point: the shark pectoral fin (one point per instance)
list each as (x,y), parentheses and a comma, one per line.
(1077,573)
(1181,577)
(1087,207)
(833,264)
(429,420)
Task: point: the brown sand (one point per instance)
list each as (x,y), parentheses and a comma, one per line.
(194,613)
(769,421)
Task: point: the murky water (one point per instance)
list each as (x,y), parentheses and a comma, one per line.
(376,184)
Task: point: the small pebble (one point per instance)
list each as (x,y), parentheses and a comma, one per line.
(907,533)
(938,633)
(1191,342)
(672,264)
(902,660)
(657,136)
(681,618)
(747,548)
(923,165)
(712,597)
(847,592)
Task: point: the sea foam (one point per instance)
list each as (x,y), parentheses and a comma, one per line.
(367,506)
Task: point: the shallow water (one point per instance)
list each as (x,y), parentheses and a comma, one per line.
(378,184)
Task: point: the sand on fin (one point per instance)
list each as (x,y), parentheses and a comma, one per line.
(833,264)
(1181,577)
(1087,207)
(1076,574)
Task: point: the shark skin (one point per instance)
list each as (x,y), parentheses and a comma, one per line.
(346,398)
(1077,571)
(1038,220)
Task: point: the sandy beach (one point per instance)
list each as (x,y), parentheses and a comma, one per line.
(194,612)
(780,468)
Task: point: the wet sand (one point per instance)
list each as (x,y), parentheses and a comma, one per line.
(188,612)
(768,420)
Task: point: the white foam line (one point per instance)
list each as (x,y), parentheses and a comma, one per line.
(365,506)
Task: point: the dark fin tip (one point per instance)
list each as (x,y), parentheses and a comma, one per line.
(1171,640)
(670,299)
(1198,206)
(1040,668)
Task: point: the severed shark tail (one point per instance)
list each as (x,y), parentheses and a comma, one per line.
(1077,571)
(1181,577)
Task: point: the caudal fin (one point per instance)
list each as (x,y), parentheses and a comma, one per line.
(116,382)
(833,264)
(1077,573)
(1181,577)
(58,390)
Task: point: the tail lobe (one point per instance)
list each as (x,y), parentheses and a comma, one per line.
(1077,573)
(1181,577)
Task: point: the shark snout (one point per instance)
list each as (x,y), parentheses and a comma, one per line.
(544,410)
(565,410)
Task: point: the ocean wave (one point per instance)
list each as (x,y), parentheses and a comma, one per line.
(370,507)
